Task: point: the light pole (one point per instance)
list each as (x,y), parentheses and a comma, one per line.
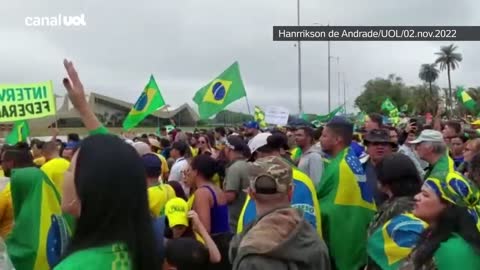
(344,93)
(300,108)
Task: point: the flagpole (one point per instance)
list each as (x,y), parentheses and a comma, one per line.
(248,105)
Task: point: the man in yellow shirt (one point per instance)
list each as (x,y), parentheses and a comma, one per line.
(155,147)
(36,148)
(55,166)
(12,157)
(158,194)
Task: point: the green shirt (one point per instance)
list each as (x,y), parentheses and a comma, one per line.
(114,257)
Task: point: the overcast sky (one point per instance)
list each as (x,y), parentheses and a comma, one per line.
(187,43)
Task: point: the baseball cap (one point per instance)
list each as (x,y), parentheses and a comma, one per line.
(151,160)
(251,124)
(428,135)
(176,211)
(258,141)
(142,148)
(377,136)
(154,142)
(236,143)
(270,175)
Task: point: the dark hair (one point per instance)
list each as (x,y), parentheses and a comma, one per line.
(275,142)
(318,133)
(343,130)
(164,143)
(205,166)
(168,233)
(119,215)
(73,137)
(456,126)
(187,254)
(177,187)
(20,155)
(453,219)
(376,118)
(239,145)
(462,137)
(50,148)
(181,147)
(211,138)
(398,172)
(221,131)
(38,143)
(309,132)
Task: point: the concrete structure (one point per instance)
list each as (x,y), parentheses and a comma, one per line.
(111,112)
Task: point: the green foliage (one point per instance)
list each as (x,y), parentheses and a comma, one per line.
(377,90)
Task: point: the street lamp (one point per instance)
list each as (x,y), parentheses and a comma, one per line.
(300,109)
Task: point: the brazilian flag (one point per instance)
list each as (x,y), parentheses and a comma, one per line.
(19,133)
(149,101)
(217,94)
(466,99)
(35,202)
(390,244)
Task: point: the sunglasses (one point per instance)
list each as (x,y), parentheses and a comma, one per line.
(202,142)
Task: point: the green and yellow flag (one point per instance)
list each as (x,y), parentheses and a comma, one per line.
(35,200)
(392,110)
(343,195)
(259,116)
(327,117)
(217,94)
(391,244)
(466,99)
(149,101)
(19,133)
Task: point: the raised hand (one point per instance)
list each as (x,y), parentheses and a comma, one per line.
(74,86)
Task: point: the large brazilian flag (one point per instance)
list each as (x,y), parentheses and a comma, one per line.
(390,244)
(35,202)
(347,209)
(303,198)
(221,91)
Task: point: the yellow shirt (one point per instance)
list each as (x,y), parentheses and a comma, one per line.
(194,151)
(55,170)
(6,211)
(158,196)
(39,161)
(1,172)
(165,169)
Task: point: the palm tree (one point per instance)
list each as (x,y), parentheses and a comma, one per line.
(429,74)
(448,59)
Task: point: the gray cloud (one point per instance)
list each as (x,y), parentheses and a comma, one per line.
(187,43)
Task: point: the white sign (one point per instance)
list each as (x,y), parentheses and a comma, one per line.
(276,115)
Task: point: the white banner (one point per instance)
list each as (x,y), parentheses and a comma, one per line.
(276,115)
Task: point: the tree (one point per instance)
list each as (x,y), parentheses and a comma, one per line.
(429,74)
(449,60)
(423,98)
(378,89)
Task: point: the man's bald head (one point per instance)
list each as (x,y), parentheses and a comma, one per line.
(50,150)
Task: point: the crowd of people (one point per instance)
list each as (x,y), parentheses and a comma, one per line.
(334,197)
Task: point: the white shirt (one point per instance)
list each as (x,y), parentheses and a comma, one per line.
(176,171)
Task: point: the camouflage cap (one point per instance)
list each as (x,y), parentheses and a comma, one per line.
(270,175)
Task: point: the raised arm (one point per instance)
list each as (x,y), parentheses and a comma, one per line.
(76,94)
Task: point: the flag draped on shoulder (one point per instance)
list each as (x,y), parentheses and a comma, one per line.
(390,244)
(149,101)
(466,99)
(347,208)
(35,201)
(220,92)
(19,133)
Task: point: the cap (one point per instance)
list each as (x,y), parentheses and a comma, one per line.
(270,175)
(377,136)
(428,135)
(251,124)
(176,211)
(72,145)
(258,141)
(154,142)
(475,123)
(236,143)
(150,160)
(142,148)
